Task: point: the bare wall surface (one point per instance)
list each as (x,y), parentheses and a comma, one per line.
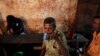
(33,12)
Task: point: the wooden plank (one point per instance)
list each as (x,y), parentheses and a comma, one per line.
(28,38)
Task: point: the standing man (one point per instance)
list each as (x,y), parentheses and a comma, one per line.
(54,42)
(94,47)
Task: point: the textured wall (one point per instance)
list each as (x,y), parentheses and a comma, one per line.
(35,11)
(87,9)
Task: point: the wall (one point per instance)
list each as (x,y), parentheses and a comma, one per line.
(86,10)
(33,12)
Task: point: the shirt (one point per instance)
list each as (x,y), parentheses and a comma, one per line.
(94,47)
(51,43)
(52,48)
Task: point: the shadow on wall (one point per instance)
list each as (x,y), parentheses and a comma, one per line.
(26,26)
(19,25)
(16,25)
(13,25)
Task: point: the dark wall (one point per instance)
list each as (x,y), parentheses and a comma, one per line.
(86,10)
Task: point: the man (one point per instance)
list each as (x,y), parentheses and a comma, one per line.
(54,42)
(94,47)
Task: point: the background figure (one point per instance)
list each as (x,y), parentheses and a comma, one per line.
(15,25)
(94,47)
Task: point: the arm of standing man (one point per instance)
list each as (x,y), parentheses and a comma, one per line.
(62,49)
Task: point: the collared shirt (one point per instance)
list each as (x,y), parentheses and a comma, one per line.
(60,35)
(94,47)
(52,48)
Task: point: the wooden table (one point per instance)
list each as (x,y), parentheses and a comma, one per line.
(18,39)
(13,43)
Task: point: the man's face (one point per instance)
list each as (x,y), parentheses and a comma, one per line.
(96,24)
(48,28)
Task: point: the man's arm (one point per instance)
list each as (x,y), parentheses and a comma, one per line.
(62,49)
(63,40)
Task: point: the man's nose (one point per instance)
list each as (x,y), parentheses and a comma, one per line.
(47,29)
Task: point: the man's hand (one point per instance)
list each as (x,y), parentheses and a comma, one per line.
(61,46)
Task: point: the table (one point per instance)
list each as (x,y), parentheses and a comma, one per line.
(18,39)
(11,44)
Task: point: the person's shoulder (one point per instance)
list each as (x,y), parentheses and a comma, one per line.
(59,33)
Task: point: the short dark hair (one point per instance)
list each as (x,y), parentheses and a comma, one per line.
(50,20)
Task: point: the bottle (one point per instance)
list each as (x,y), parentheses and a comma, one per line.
(19,53)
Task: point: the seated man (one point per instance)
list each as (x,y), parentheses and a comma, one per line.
(94,47)
(54,42)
